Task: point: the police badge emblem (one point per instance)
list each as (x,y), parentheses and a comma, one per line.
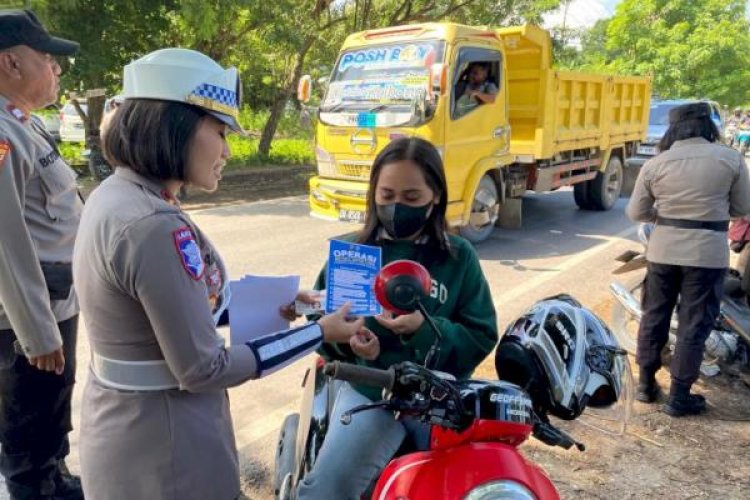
(189,252)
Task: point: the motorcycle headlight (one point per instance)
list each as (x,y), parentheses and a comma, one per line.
(500,490)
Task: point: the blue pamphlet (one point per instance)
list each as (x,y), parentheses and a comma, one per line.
(352,269)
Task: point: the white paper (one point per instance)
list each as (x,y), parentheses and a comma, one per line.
(254,310)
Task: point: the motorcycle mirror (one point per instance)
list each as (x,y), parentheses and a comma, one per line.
(401,285)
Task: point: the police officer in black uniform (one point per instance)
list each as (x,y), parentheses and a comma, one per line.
(39,213)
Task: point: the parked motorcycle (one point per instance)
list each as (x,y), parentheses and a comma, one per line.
(727,346)
(476,425)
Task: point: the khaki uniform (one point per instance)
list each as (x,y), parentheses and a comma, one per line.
(39,214)
(147,295)
(693,180)
(691,191)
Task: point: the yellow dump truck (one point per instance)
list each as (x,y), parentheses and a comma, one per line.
(545,129)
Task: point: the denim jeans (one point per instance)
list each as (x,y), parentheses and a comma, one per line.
(353,455)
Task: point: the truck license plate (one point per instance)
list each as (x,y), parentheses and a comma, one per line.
(354,216)
(647,150)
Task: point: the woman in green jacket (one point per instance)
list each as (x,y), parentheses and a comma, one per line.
(406,207)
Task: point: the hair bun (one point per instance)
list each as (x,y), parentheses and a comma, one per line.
(692,111)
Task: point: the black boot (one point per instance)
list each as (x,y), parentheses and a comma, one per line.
(681,403)
(648,390)
(67,486)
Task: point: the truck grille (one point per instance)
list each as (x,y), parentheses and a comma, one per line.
(353,169)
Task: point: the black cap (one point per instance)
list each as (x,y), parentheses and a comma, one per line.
(21,27)
(692,111)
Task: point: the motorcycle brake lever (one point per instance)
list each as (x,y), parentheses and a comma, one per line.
(346,417)
(551,435)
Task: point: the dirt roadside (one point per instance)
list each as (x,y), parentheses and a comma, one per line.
(658,456)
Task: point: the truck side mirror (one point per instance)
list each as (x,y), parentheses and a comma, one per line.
(304,89)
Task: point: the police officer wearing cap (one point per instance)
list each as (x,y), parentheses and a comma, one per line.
(39,214)
(155,419)
(690,190)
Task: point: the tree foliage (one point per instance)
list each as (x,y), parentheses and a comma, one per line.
(692,48)
(270,42)
(111,34)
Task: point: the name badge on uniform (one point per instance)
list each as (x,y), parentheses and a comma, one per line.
(190,252)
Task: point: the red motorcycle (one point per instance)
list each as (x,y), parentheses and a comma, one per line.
(476,425)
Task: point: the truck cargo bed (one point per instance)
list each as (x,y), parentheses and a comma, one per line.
(553,111)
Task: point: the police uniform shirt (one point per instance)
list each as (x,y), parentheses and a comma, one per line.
(694,180)
(39,214)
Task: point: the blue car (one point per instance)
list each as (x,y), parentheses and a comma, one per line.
(658,123)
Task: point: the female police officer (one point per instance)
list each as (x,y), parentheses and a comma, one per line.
(156,420)
(690,190)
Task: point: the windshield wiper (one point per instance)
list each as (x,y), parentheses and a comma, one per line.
(333,108)
(376,108)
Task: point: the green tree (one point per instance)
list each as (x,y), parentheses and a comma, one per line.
(269,42)
(692,48)
(111,33)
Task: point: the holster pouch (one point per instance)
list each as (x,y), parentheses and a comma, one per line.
(59,278)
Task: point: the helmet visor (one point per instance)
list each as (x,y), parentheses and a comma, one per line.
(610,403)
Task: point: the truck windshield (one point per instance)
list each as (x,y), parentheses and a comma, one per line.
(660,114)
(376,78)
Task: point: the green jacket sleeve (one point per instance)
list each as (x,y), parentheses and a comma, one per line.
(470,333)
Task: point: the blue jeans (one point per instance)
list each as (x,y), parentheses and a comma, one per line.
(353,455)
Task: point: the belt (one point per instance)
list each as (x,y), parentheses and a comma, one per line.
(711,225)
(133,375)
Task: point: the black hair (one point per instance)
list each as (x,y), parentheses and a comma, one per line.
(423,154)
(152,137)
(687,122)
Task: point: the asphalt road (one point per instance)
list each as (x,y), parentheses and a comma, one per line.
(559,249)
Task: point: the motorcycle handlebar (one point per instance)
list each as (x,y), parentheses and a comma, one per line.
(360,374)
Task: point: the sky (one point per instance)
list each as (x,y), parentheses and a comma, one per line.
(581,13)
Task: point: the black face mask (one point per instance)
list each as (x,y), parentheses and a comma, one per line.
(402,221)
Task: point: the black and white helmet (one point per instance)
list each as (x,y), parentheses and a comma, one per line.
(564,356)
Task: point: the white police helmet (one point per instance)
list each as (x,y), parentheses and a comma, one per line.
(184,75)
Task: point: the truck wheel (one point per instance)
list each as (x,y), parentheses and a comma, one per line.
(581,194)
(285,451)
(606,186)
(484,211)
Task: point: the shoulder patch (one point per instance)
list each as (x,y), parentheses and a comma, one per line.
(189,252)
(16,113)
(4,150)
